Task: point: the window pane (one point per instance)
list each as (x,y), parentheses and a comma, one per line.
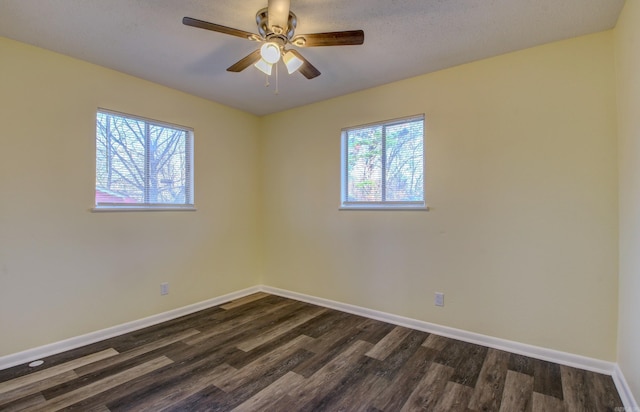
(364,166)
(404,162)
(167,165)
(120,160)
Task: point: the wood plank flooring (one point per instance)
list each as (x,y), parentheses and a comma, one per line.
(268,353)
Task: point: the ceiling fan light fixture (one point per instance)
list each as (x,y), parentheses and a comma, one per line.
(264,67)
(292,61)
(270,52)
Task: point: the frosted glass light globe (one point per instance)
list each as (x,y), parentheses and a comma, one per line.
(270,52)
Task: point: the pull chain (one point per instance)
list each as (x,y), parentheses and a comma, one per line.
(266,80)
(277,91)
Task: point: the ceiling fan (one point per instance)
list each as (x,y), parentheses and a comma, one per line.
(276,28)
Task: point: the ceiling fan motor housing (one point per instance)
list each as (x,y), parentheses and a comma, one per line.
(262,20)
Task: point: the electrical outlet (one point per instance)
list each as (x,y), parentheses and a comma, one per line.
(439,300)
(164,288)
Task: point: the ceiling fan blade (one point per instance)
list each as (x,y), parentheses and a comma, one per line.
(336,38)
(307,69)
(278,12)
(245,62)
(201,24)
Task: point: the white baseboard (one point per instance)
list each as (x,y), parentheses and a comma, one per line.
(563,358)
(624,390)
(92,337)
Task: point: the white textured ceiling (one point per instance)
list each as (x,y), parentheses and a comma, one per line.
(403,38)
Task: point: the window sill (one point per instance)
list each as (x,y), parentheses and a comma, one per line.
(421,208)
(100,209)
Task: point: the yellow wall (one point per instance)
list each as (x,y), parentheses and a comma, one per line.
(521,181)
(627,42)
(65,271)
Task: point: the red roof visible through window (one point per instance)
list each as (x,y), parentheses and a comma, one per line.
(104,196)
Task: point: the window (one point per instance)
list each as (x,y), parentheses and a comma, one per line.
(383,165)
(142,164)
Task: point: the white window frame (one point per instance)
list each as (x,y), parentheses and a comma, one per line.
(379,205)
(189,204)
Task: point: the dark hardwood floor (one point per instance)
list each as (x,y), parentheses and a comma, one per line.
(268,353)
